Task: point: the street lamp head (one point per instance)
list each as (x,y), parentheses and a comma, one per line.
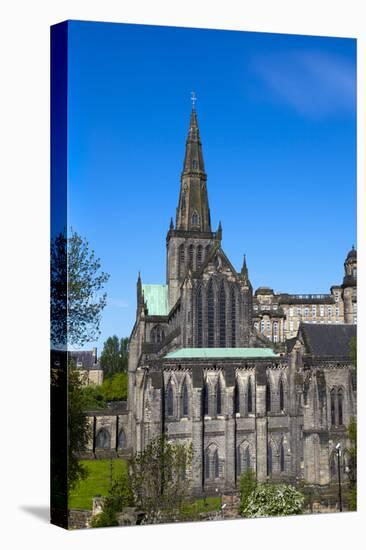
(338,446)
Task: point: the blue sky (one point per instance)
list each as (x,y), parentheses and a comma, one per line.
(277,116)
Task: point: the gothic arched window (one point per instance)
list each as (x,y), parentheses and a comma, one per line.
(199,317)
(210,317)
(184,399)
(195,218)
(169,400)
(247,458)
(269,460)
(333,465)
(218,397)
(268,397)
(282,457)
(282,397)
(222,315)
(216,468)
(236,398)
(238,461)
(332,408)
(233,318)
(205,399)
(182,266)
(103,439)
(250,396)
(199,256)
(122,439)
(157,334)
(207,464)
(191,256)
(340,407)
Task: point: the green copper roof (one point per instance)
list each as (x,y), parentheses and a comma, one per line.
(207,353)
(156,298)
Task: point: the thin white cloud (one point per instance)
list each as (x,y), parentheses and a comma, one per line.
(313,83)
(117,302)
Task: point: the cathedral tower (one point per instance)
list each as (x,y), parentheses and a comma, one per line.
(189,242)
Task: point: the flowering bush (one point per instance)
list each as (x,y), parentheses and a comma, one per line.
(273,500)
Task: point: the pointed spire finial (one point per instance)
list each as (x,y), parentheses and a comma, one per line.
(193,99)
(171,224)
(244,269)
(219,231)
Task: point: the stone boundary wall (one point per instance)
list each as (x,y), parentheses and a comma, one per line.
(79,519)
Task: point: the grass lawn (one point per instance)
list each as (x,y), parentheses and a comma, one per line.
(97,482)
(208,504)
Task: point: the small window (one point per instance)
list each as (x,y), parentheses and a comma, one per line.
(169,400)
(121,439)
(282,457)
(269,460)
(205,399)
(268,397)
(340,407)
(103,439)
(282,397)
(185,399)
(216,465)
(332,408)
(250,397)
(195,219)
(218,397)
(236,398)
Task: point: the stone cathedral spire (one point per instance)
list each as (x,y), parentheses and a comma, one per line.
(193,212)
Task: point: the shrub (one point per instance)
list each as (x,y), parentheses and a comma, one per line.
(248,483)
(274,500)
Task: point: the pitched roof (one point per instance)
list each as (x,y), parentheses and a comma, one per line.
(208,353)
(327,340)
(156,298)
(85,359)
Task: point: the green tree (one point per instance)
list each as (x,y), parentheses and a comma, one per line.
(76,285)
(115,388)
(120,495)
(158,479)
(114,356)
(77,303)
(274,500)
(248,483)
(93,398)
(78,427)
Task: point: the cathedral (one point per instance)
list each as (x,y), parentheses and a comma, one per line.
(253,380)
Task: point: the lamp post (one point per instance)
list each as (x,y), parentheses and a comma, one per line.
(338,449)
